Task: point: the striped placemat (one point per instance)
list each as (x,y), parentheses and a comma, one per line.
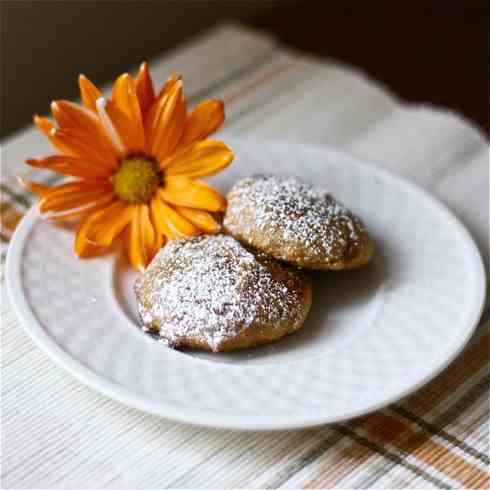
(59,434)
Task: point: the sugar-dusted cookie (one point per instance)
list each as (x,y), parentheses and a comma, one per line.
(296,223)
(211,293)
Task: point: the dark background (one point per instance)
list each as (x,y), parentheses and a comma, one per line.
(425,51)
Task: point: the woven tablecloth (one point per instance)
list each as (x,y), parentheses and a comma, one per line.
(57,433)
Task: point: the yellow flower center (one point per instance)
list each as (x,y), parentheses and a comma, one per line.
(137,179)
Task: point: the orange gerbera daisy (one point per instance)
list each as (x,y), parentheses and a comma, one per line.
(136,160)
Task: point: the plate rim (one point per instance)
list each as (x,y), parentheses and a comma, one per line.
(209,418)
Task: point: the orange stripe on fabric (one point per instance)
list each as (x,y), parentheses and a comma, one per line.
(478,481)
(346,460)
(448,462)
(9,217)
(385,429)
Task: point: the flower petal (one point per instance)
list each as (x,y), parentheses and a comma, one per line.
(166,122)
(110,130)
(109,222)
(150,118)
(131,141)
(169,84)
(73,166)
(82,247)
(141,238)
(69,115)
(145,90)
(46,126)
(79,144)
(159,241)
(75,185)
(201,219)
(89,93)
(160,237)
(170,223)
(73,195)
(182,191)
(125,98)
(74,117)
(81,211)
(43,123)
(160,224)
(204,119)
(34,187)
(200,159)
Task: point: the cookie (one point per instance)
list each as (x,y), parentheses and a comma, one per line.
(292,221)
(211,293)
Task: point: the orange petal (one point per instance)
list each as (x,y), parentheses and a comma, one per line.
(189,193)
(46,126)
(132,141)
(73,195)
(110,130)
(201,219)
(144,90)
(75,185)
(200,159)
(34,187)
(147,231)
(170,222)
(109,222)
(126,99)
(166,123)
(168,87)
(204,119)
(79,144)
(159,241)
(82,211)
(73,166)
(160,224)
(160,237)
(141,238)
(74,117)
(69,115)
(89,93)
(82,247)
(43,123)
(169,84)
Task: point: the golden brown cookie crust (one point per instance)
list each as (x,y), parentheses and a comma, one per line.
(293,222)
(211,293)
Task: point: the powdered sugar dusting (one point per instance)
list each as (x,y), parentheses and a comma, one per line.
(211,288)
(291,216)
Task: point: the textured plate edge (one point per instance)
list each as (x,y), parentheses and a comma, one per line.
(209,418)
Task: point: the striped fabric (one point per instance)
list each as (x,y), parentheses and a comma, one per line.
(60,434)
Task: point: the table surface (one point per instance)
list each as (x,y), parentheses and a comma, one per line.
(60,434)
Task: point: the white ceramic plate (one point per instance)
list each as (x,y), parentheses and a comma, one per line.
(372,337)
